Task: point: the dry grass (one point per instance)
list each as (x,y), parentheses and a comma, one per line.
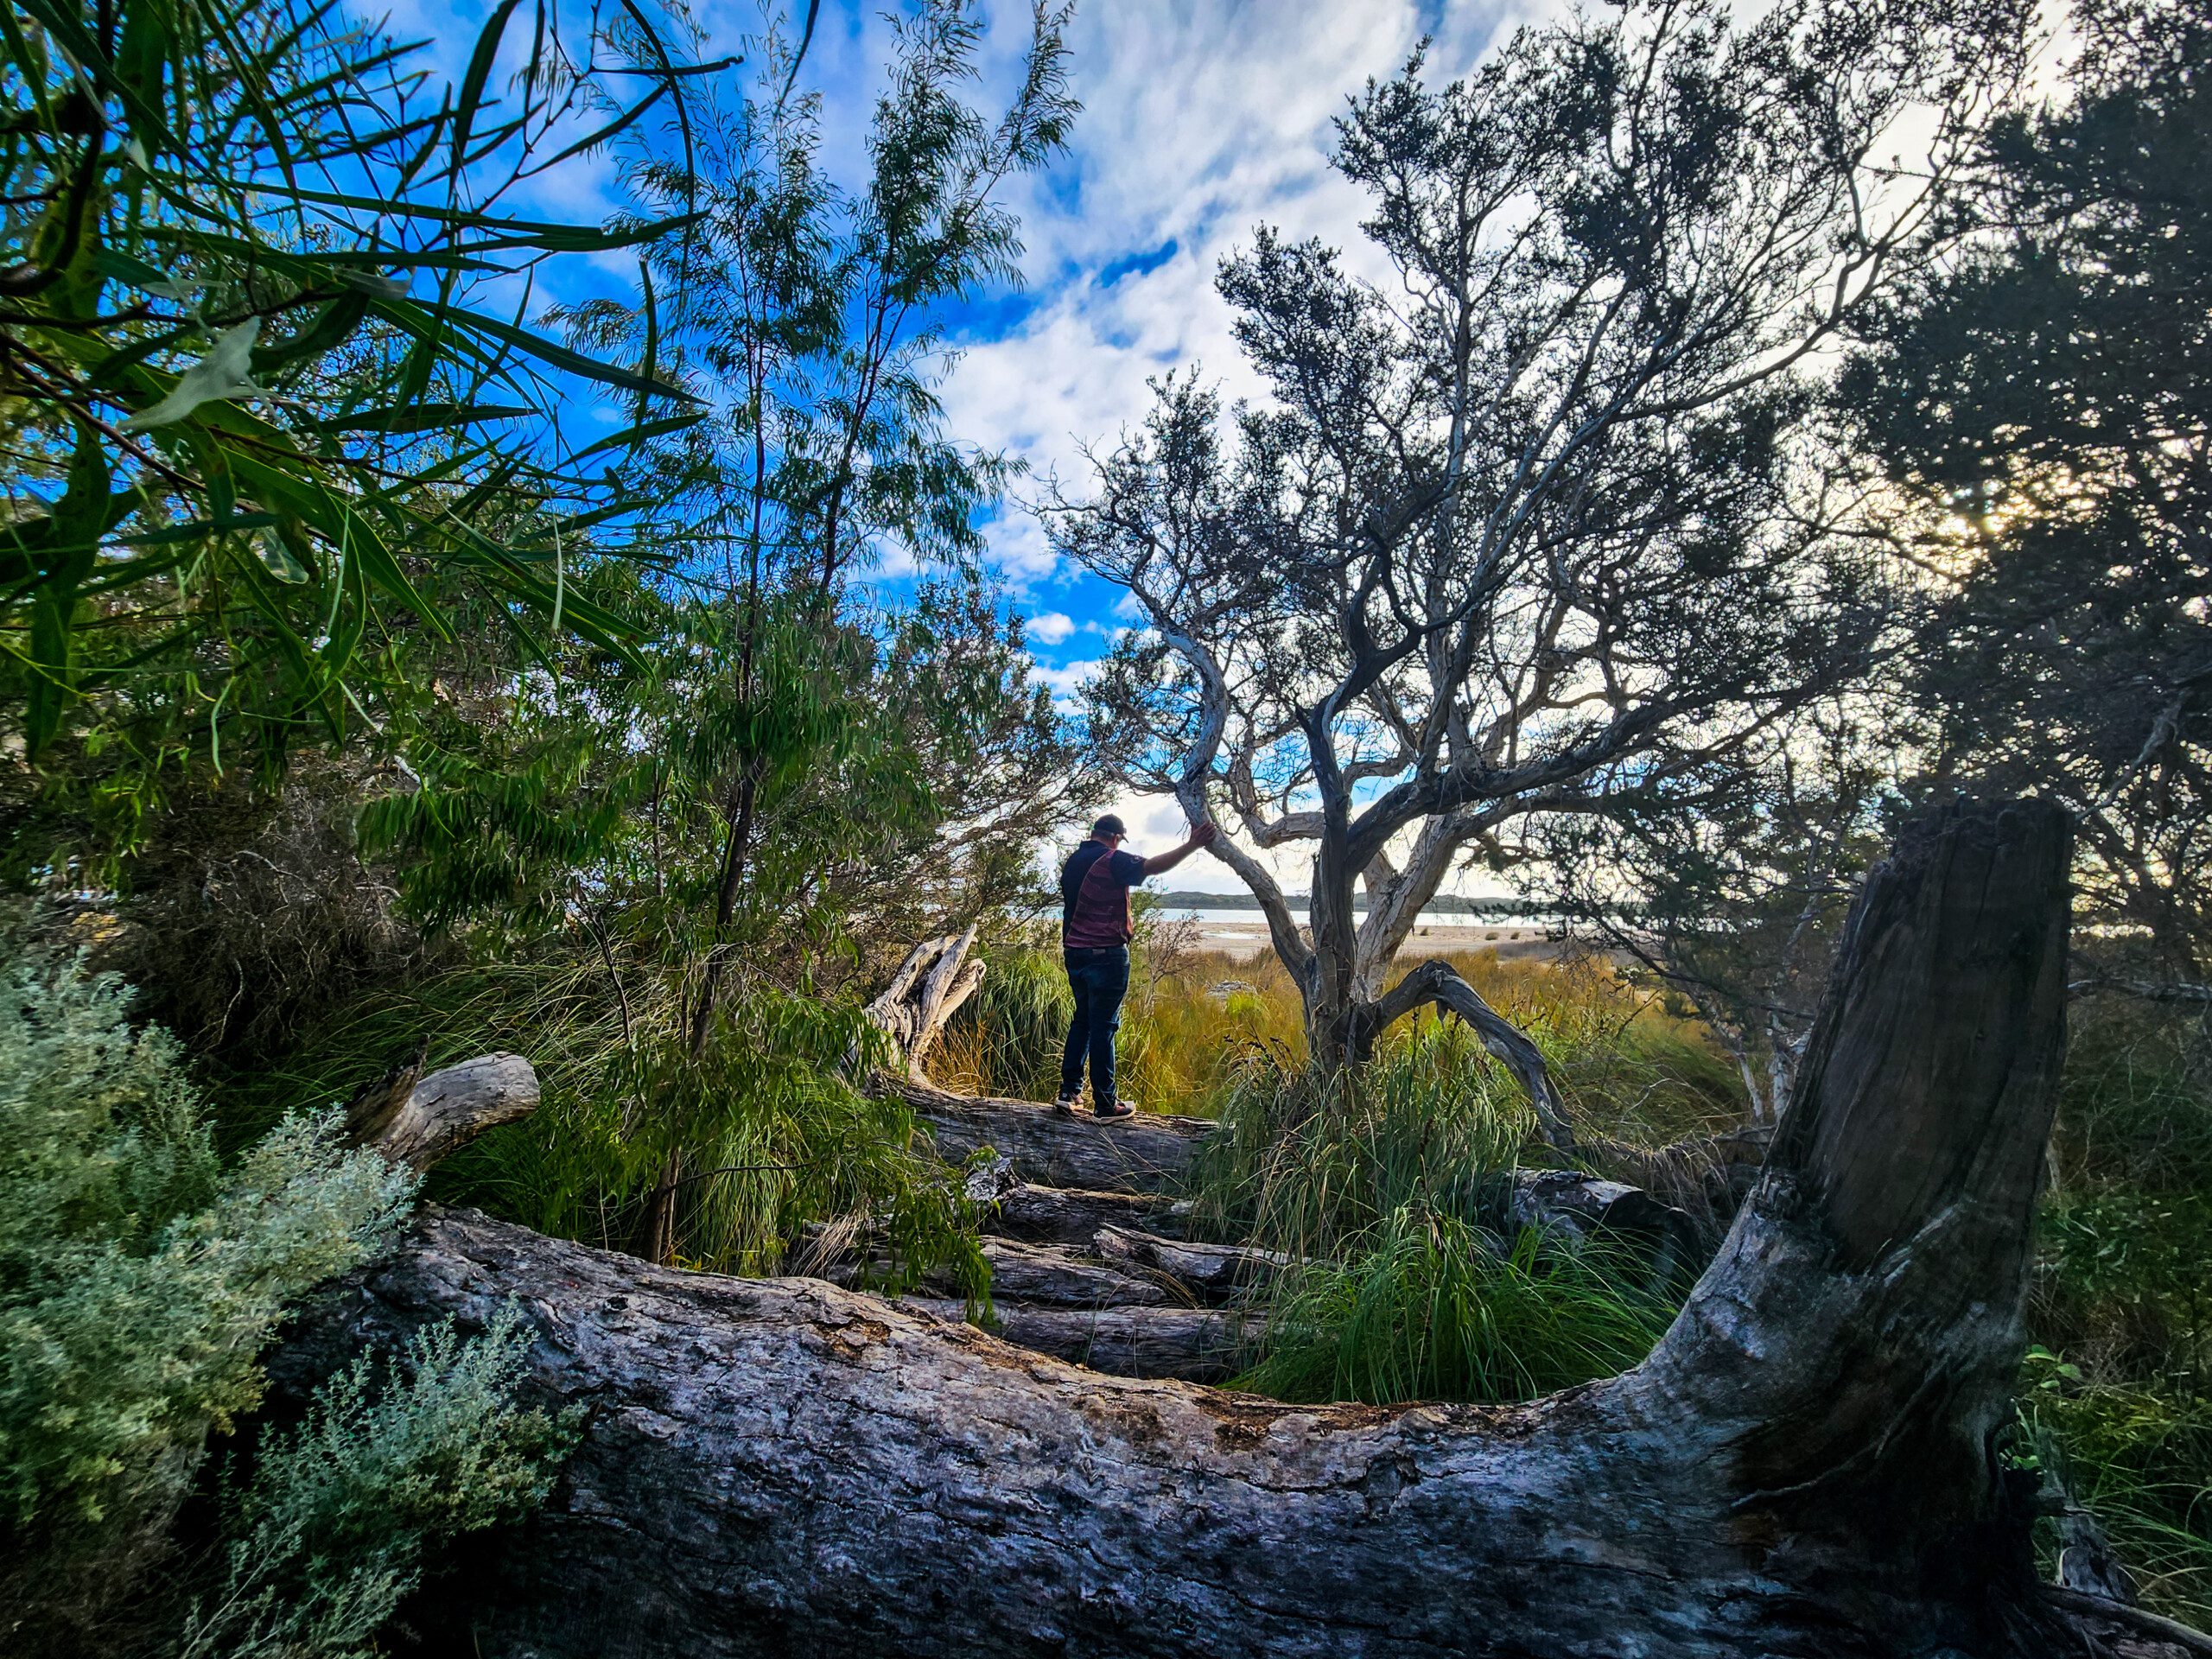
(1195,1020)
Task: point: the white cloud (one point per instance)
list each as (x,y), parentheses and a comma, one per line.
(1202,119)
(1050,628)
(1015,545)
(1065,682)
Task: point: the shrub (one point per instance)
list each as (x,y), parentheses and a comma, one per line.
(331,1534)
(138,1277)
(1389,1190)
(757,1138)
(2137,1457)
(2118,1394)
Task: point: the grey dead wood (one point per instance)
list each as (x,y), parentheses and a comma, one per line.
(1056,1276)
(416,1120)
(1049,1274)
(1213,1273)
(1054,1215)
(1141,1153)
(1191,1344)
(1803,1467)
(928,987)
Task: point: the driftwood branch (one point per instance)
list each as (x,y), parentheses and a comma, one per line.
(931,983)
(415,1119)
(1438,982)
(1803,1467)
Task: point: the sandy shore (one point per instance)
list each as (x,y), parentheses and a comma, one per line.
(1511,943)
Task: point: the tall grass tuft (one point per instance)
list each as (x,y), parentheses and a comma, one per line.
(1432,1308)
(2116,1394)
(1309,1165)
(1006,1039)
(1389,1191)
(751,1142)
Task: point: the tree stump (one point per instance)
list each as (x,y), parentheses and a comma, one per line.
(934,979)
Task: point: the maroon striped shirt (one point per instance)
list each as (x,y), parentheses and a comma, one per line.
(1094,887)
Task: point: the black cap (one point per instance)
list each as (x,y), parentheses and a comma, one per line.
(1108,825)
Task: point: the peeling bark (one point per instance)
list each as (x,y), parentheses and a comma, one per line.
(1804,1469)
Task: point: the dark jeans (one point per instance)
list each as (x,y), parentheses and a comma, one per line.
(1100,979)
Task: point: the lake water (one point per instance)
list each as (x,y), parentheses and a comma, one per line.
(1210,915)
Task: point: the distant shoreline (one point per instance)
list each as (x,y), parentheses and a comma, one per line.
(1300,903)
(1508,943)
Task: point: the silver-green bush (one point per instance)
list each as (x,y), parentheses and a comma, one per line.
(330,1533)
(138,1278)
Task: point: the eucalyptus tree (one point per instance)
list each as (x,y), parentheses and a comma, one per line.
(1521,529)
(787,758)
(269,417)
(810,320)
(2036,408)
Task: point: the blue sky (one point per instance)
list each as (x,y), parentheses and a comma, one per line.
(1202,119)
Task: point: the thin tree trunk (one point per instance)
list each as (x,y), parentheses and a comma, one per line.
(1805,1468)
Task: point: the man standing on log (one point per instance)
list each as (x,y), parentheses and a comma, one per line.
(1094,929)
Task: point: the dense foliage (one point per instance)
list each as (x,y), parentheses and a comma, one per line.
(333,1530)
(2038,407)
(140,1276)
(263,407)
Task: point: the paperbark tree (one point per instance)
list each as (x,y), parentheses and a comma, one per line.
(1522,529)
(1806,1466)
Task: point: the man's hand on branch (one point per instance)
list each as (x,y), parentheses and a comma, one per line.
(1201,835)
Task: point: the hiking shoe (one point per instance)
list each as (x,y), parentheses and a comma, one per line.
(1065,1104)
(1114,1109)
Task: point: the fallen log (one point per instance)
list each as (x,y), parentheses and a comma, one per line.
(1141,1153)
(1215,1273)
(1049,1274)
(1802,1470)
(1054,1215)
(1194,1345)
(1585,1207)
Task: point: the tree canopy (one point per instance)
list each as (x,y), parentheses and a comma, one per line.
(1526,529)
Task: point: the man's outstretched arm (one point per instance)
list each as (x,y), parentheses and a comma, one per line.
(1200,836)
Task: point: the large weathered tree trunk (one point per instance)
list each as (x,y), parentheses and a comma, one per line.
(1806,1465)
